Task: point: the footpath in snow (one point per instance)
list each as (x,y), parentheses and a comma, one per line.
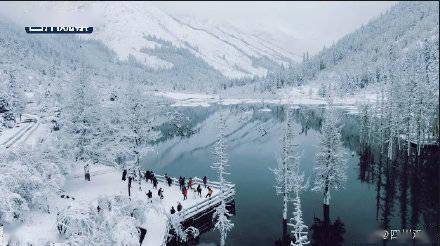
(20,133)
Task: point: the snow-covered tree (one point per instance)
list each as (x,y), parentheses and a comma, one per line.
(365,122)
(290,181)
(175,222)
(144,114)
(221,214)
(299,229)
(82,119)
(287,164)
(12,99)
(330,170)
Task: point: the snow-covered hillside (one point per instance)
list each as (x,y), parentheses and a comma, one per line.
(131,27)
(386,45)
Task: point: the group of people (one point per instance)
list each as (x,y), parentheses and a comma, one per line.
(185,186)
(150,194)
(149,175)
(179,208)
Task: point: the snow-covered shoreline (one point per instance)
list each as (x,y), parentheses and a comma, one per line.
(287,97)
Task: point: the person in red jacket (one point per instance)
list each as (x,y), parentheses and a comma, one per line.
(190,183)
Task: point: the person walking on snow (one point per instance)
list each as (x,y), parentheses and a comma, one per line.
(140,179)
(199,190)
(160,193)
(87,172)
(180,182)
(185,192)
(149,194)
(172,211)
(147,176)
(190,183)
(205,181)
(209,192)
(169,181)
(130,178)
(179,207)
(152,177)
(124,175)
(154,182)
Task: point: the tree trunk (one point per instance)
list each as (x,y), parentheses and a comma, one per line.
(326,211)
(326,195)
(285,234)
(285,200)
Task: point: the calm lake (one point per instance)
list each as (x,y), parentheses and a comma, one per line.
(399,194)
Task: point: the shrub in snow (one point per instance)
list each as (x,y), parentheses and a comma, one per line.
(75,222)
(26,180)
(12,205)
(116,222)
(192,232)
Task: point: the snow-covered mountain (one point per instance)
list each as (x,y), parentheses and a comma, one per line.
(138,28)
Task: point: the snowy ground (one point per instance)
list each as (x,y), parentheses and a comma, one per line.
(41,227)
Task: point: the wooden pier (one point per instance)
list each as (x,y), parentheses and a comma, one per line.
(199,216)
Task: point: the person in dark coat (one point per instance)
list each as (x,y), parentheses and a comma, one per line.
(209,192)
(149,194)
(87,172)
(160,193)
(130,178)
(142,232)
(124,175)
(179,207)
(172,210)
(152,175)
(154,182)
(199,190)
(169,181)
(205,181)
(185,192)
(147,176)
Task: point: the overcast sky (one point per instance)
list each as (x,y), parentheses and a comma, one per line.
(320,22)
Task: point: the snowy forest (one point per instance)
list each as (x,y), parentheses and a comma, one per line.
(212,135)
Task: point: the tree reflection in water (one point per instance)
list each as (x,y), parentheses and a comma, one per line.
(407,188)
(326,233)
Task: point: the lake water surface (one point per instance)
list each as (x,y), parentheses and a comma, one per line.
(379,193)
